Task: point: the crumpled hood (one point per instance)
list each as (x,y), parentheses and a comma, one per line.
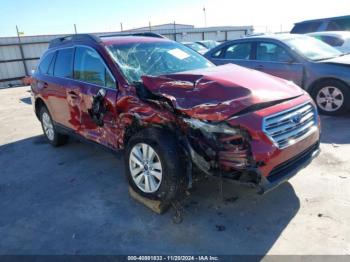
(219,92)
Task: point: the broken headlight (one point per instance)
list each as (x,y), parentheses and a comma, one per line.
(225,145)
(211,128)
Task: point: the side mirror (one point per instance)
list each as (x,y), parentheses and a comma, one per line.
(101,93)
(98,108)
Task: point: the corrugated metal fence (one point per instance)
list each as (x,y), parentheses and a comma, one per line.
(20,55)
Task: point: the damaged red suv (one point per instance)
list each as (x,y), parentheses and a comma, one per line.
(173,112)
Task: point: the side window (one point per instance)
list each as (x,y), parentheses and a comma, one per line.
(52,64)
(64,62)
(238,51)
(342,24)
(272,53)
(307,27)
(45,63)
(333,26)
(89,67)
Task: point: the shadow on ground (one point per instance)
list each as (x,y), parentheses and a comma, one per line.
(335,130)
(74,200)
(26,100)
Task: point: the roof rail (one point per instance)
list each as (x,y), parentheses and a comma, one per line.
(147,34)
(78,37)
(96,38)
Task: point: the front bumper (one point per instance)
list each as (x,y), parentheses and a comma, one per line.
(288,169)
(276,165)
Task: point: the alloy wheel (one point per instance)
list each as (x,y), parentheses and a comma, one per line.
(48,126)
(145,168)
(330,98)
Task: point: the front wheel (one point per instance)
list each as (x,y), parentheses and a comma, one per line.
(332,97)
(153,165)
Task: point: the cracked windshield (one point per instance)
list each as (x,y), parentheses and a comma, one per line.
(155,58)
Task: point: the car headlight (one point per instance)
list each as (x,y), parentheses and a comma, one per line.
(211,128)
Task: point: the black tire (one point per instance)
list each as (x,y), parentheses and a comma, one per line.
(57,139)
(345,92)
(167,148)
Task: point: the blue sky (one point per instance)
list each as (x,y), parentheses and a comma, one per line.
(53,17)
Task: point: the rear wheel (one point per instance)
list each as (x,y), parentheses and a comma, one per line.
(153,165)
(332,97)
(52,136)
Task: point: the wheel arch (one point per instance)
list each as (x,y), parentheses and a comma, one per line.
(149,129)
(39,103)
(317,82)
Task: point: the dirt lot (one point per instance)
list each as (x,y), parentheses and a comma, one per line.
(74,200)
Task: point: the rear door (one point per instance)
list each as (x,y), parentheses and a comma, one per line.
(90,75)
(237,53)
(56,84)
(274,59)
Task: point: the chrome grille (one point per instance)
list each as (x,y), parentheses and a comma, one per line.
(288,127)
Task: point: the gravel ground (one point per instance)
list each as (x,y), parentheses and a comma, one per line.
(74,200)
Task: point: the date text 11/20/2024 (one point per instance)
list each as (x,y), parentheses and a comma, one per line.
(173,258)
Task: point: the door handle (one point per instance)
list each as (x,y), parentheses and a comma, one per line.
(44,85)
(259,67)
(72,94)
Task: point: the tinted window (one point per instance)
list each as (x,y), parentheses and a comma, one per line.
(332,40)
(45,63)
(64,62)
(333,26)
(238,51)
(271,52)
(52,65)
(304,28)
(89,67)
(343,24)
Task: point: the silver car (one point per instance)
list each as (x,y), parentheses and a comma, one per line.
(310,63)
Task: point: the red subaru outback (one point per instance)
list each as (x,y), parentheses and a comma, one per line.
(173,112)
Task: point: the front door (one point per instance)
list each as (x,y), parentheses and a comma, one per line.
(90,76)
(275,60)
(237,53)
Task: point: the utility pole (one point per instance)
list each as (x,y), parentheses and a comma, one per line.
(205,17)
(174,31)
(75,29)
(150,27)
(21,51)
(121,27)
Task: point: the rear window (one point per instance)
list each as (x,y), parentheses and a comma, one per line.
(64,63)
(306,27)
(45,63)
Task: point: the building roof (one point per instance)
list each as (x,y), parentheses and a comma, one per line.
(162,26)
